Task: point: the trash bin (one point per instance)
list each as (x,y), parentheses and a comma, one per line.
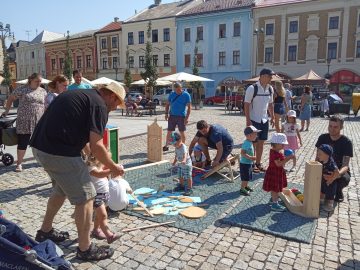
(356,103)
(111,141)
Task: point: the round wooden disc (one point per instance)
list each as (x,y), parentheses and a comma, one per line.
(186,200)
(138,209)
(158,211)
(193,212)
(173,197)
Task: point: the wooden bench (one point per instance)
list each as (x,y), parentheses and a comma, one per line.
(149,108)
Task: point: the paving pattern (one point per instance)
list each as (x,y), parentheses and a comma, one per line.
(336,244)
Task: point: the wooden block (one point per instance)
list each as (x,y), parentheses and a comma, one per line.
(154,142)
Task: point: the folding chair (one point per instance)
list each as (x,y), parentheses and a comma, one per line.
(226,163)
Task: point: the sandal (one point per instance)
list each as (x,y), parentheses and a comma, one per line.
(95,253)
(255,169)
(98,234)
(54,235)
(113,238)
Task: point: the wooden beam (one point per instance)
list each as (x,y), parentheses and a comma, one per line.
(148,226)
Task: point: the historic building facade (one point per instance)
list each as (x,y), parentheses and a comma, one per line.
(221,30)
(108,51)
(293,37)
(83,49)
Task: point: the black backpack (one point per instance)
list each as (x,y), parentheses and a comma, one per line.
(256,89)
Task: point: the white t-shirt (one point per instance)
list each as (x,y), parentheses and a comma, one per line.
(202,158)
(101,184)
(290,129)
(259,106)
(118,199)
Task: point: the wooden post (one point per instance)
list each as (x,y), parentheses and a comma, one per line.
(154,142)
(312,187)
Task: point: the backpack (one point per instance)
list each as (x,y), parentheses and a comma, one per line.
(256,89)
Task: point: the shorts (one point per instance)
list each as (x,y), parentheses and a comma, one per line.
(184,171)
(70,176)
(246,172)
(100,199)
(279,108)
(264,127)
(227,149)
(23,141)
(175,120)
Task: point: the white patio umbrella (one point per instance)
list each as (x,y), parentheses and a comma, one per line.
(104,81)
(184,77)
(158,82)
(25,81)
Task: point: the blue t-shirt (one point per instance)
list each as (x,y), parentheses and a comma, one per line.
(248,147)
(178,103)
(216,134)
(329,167)
(75,86)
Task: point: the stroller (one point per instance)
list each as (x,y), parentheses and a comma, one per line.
(19,251)
(6,123)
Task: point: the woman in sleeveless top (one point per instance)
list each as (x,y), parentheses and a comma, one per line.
(305,109)
(280,106)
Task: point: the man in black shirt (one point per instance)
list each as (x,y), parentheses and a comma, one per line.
(74,119)
(343,151)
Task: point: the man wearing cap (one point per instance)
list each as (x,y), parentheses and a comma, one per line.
(177,112)
(215,137)
(74,119)
(342,153)
(258,102)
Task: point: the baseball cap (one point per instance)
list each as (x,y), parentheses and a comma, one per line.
(279,138)
(119,91)
(327,149)
(291,113)
(250,129)
(174,137)
(197,147)
(266,71)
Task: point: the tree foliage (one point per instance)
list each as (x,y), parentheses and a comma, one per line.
(68,59)
(150,75)
(127,75)
(6,69)
(195,69)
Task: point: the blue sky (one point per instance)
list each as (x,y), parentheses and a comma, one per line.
(60,16)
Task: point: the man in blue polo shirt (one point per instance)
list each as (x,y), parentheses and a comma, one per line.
(213,136)
(179,108)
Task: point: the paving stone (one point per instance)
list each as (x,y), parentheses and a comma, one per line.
(256,264)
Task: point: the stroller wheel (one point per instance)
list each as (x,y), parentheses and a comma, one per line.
(7,159)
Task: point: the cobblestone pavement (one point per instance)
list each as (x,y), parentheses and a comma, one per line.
(336,244)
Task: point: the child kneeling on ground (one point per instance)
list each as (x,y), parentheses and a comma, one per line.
(118,190)
(183,159)
(198,159)
(328,188)
(247,159)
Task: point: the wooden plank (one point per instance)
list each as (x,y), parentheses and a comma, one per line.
(141,204)
(148,226)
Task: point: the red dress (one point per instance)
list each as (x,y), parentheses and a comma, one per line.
(275,177)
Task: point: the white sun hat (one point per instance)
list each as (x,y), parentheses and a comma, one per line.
(291,113)
(279,138)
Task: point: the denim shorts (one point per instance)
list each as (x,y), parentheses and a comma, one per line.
(246,172)
(178,121)
(279,108)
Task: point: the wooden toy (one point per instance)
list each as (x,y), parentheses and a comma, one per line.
(154,142)
(311,198)
(226,163)
(193,212)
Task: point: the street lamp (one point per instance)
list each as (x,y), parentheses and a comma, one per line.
(328,62)
(257,32)
(116,70)
(5,32)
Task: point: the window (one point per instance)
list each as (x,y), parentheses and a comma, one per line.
(141,61)
(114,42)
(269,29)
(237,27)
(334,22)
(200,33)
(268,55)
(187,34)
(199,60)
(236,57)
(103,44)
(104,63)
(166,34)
(292,53)
(141,37)
(32,55)
(332,50)
(222,59)
(130,38)
(166,60)
(131,61)
(115,62)
(88,61)
(155,60)
(155,35)
(187,60)
(293,27)
(53,64)
(222,30)
(357,49)
(61,62)
(78,61)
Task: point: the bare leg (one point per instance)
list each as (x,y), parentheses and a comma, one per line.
(302,125)
(307,124)
(274,196)
(182,134)
(54,204)
(168,135)
(101,220)
(20,156)
(204,145)
(189,183)
(83,216)
(259,148)
(244,184)
(277,122)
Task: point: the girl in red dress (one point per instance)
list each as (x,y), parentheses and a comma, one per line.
(275,176)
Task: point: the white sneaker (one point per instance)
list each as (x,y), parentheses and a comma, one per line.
(18,168)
